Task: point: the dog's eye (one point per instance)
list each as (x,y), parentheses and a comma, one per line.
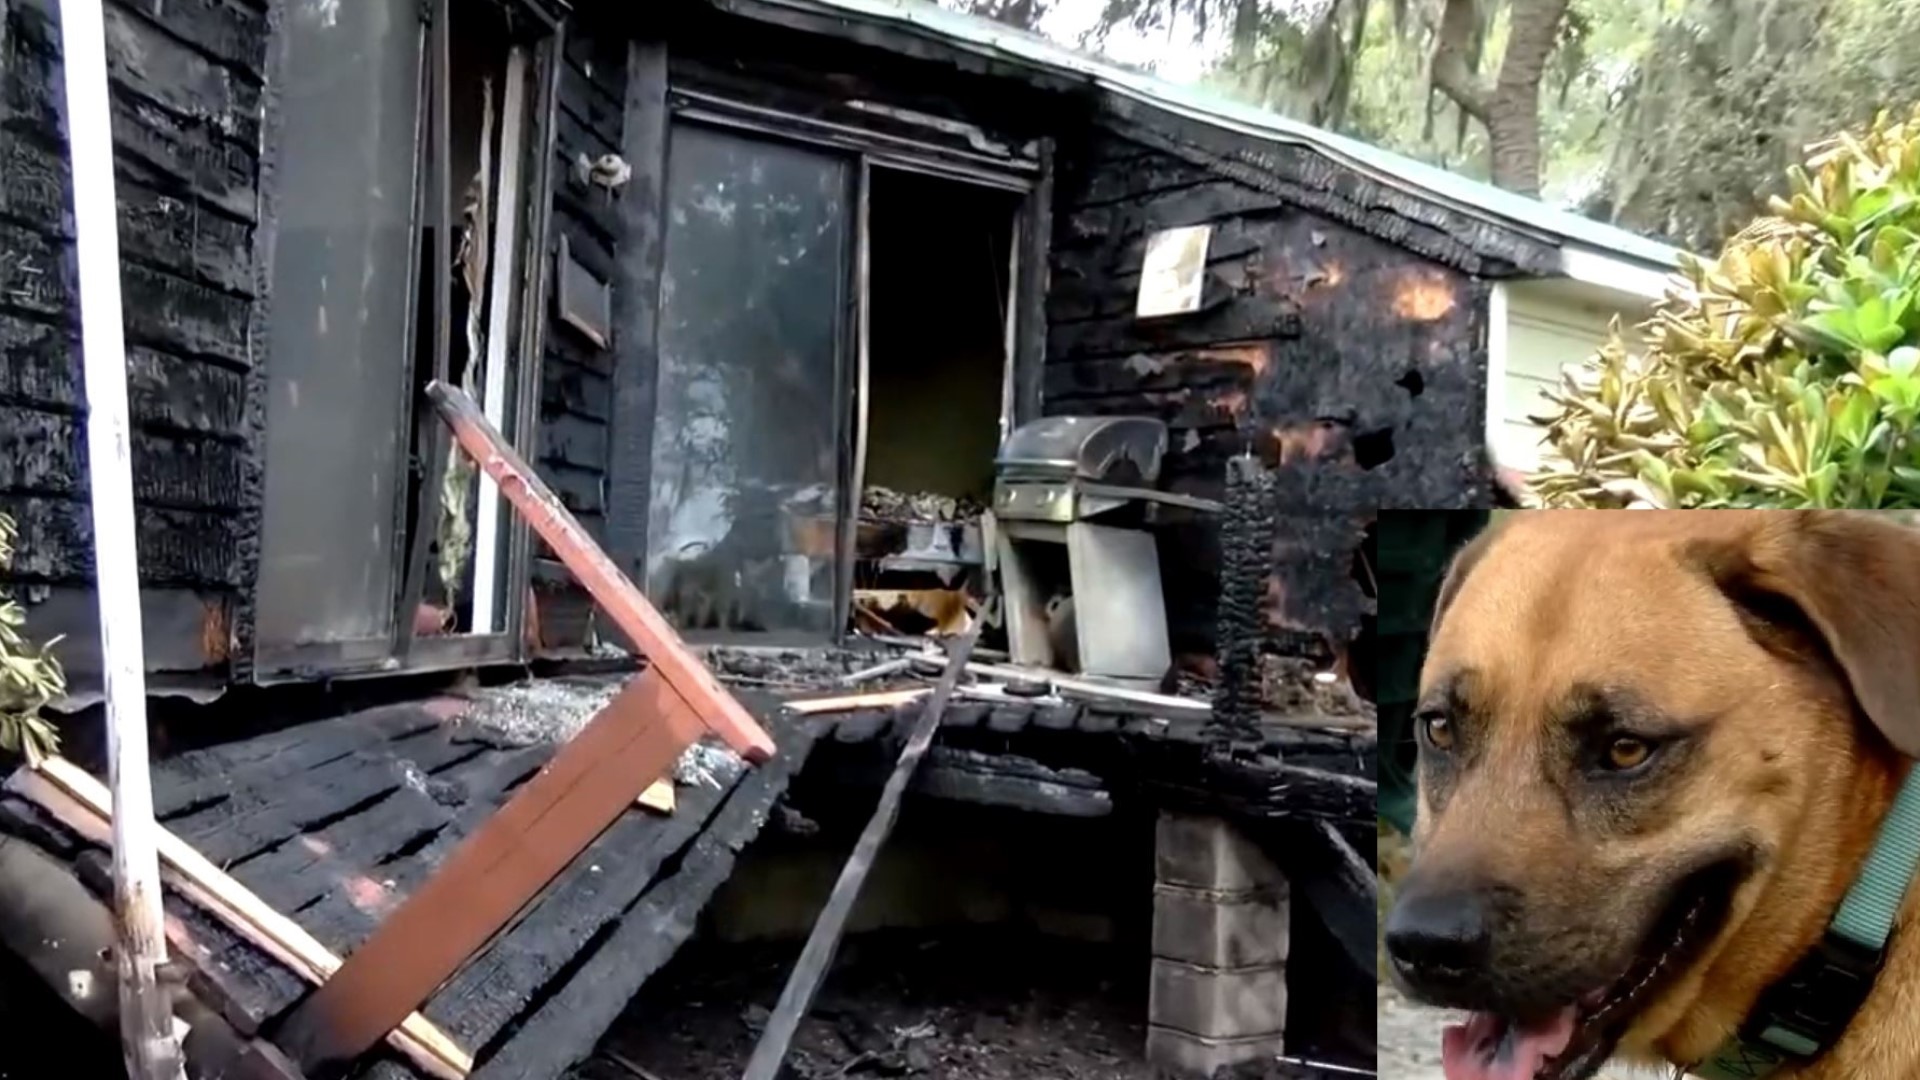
(1628,753)
(1438,731)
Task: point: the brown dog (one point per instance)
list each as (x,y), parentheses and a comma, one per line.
(1655,748)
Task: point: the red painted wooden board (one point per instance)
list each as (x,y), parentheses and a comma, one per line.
(486,881)
(490,877)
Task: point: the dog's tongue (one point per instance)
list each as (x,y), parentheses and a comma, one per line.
(1489,1047)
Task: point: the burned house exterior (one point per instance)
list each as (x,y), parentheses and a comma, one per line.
(720,267)
(760,287)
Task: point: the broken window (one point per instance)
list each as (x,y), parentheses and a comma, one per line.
(380,282)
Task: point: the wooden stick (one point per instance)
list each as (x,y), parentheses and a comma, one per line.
(149,1041)
(795,999)
(848,702)
(876,671)
(78,801)
(1174,706)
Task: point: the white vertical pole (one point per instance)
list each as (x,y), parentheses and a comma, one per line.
(493,400)
(146,1015)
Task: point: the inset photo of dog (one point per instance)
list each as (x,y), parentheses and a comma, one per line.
(1648,805)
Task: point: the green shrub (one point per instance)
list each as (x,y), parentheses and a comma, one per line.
(1785,373)
(30,675)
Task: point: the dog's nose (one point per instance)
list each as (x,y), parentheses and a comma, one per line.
(1439,938)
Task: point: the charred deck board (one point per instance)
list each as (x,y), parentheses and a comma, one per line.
(1298,774)
(298,873)
(254,819)
(601,883)
(562,1031)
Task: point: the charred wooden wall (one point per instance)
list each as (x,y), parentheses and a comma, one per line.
(576,387)
(187,81)
(1339,341)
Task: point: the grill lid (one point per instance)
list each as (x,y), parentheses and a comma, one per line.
(1123,450)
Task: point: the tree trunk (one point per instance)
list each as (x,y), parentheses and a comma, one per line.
(1510,109)
(1513,116)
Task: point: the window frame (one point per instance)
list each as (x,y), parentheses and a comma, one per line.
(534,26)
(866,150)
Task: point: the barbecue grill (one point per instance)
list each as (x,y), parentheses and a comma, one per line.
(1085,484)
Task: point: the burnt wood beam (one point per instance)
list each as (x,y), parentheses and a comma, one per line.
(641,211)
(1030,307)
(796,998)
(1337,881)
(1261,790)
(983,778)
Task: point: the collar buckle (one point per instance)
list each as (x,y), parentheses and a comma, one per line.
(1807,1011)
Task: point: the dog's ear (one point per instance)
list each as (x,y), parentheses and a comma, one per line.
(1846,583)
(1457,571)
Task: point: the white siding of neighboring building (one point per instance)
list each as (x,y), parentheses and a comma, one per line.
(1536,328)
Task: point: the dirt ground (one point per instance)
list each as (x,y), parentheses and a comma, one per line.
(977,1006)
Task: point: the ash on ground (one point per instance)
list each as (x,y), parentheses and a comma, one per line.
(1288,685)
(990,1004)
(553,711)
(793,668)
(539,710)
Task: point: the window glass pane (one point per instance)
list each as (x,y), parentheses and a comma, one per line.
(746,451)
(338,337)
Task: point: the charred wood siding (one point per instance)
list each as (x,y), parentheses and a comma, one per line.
(186,95)
(576,382)
(1350,363)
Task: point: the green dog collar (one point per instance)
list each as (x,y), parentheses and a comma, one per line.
(1805,1013)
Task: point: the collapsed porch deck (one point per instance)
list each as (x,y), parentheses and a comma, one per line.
(334,823)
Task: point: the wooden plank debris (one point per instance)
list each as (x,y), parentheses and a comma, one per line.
(499,870)
(82,804)
(149,1041)
(851,702)
(492,875)
(658,797)
(770,1053)
(1160,705)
